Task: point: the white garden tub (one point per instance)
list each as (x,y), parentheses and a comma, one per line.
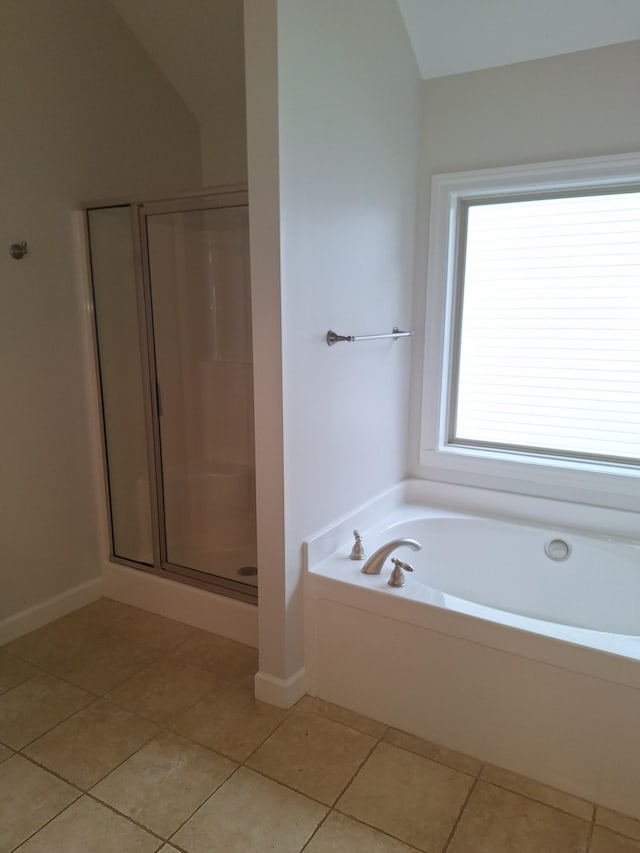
(517,643)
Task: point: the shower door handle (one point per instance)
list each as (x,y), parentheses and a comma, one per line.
(158,400)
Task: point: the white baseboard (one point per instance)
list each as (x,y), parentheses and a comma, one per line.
(46,611)
(282,692)
(200,608)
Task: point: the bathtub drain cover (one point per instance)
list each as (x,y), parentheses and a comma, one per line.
(247,571)
(558,550)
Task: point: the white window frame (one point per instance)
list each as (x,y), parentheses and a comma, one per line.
(584,481)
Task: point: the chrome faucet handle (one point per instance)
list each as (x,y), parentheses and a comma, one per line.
(397,575)
(357,552)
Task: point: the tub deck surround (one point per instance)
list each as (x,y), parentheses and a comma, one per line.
(455,569)
(556,702)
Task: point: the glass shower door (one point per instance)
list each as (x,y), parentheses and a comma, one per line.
(123,380)
(198,266)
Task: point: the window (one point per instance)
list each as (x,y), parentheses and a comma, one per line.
(533,323)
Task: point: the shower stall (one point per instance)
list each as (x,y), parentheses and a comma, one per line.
(171,295)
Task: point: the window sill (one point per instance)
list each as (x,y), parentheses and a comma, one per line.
(604,486)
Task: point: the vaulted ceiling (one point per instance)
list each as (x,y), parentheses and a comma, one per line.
(199,44)
(452,36)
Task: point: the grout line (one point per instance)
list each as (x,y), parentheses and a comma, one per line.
(438,760)
(40,828)
(177,846)
(288,713)
(286,785)
(355,775)
(55,773)
(591,829)
(203,803)
(315,831)
(82,792)
(125,816)
(384,832)
(335,808)
(331,719)
(10,751)
(219,692)
(51,673)
(80,711)
(460,813)
(37,671)
(538,800)
(54,726)
(297,790)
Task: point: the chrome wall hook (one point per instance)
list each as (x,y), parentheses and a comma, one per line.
(18,250)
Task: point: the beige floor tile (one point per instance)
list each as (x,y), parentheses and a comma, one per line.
(457,760)
(153,630)
(342,715)
(134,624)
(168,849)
(498,820)
(251,814)
(102,615)
(103,663)
(5,753)
(29,797)
(538,791)
(55,641)
(90,744)
(340,834)
(13,671)
(410,797)
(164,782)
(163,690)
(88,827)
(231,721)
(312,754)
(227,660)
(618,822)
(35,706)
(605,841)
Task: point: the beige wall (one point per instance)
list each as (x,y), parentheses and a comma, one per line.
(224,147)
(577,105)
(199,46)
(85,115)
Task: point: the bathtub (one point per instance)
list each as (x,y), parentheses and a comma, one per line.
(517,643)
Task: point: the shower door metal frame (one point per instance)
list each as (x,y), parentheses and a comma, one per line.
(225,197)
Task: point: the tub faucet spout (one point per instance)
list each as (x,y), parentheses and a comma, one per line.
(374,564)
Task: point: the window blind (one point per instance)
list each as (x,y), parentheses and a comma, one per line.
(549,336)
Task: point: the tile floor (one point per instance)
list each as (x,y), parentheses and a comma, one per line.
(124,731)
